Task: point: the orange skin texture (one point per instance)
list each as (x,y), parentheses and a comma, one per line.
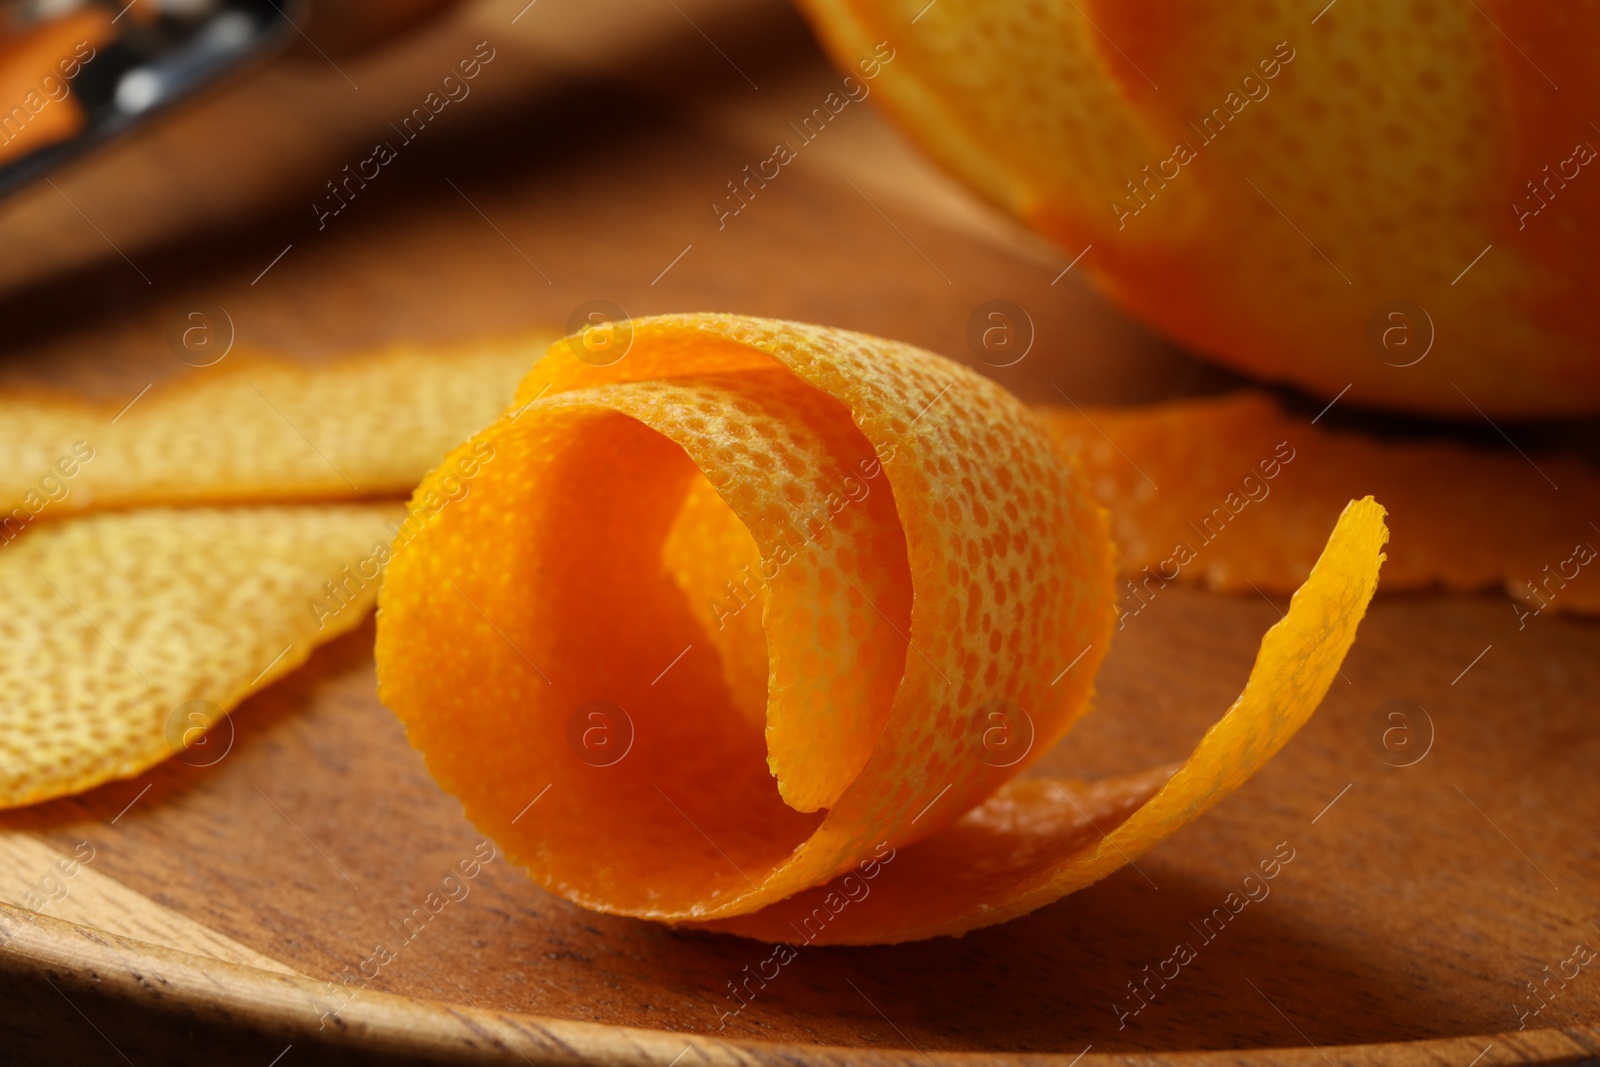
(1246,493)
(1393,146)
(927,555)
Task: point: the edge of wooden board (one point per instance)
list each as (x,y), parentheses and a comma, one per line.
(169,997)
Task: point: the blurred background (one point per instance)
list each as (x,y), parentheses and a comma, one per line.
(315,178)
(582,163)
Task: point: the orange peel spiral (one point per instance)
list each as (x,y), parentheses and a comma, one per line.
(726,618)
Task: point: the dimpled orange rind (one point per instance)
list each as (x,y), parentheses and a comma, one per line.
(1267,182)
(1246,492)
(127,635)
(572,645)
(255,429)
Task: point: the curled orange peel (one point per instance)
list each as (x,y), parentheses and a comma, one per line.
(572,645)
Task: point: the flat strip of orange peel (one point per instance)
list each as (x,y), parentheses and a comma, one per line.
(127,635)
(926,557)
(1187,486)
(254,429)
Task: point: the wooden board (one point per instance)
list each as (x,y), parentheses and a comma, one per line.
(221,899)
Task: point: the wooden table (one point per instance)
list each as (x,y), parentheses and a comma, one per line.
(221,898)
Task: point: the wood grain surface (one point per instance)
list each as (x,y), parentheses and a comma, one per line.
(1422,902)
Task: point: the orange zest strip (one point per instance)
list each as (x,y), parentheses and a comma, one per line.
(1246,491)
(572,646)
(253,429)
(1039,839)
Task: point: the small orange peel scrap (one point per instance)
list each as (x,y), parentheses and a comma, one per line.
(37,67)
(574,646)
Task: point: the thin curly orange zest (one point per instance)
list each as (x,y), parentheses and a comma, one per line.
(1037,840)
(571,645)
